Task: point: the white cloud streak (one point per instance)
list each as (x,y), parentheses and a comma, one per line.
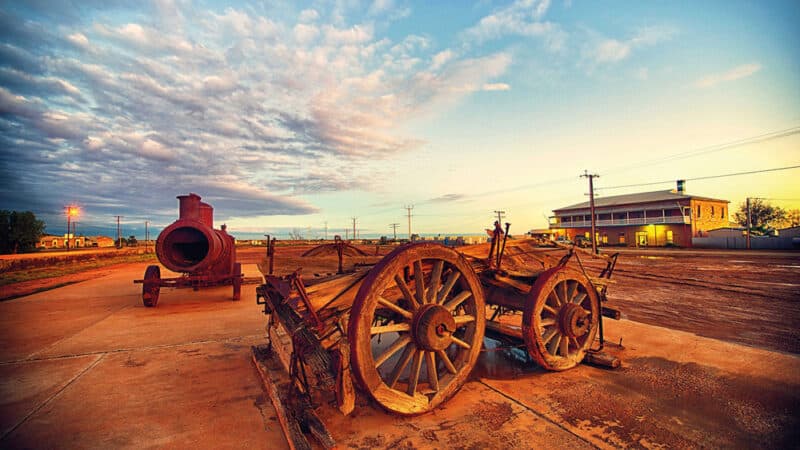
(733,74)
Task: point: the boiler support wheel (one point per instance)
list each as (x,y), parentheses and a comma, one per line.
(151,287)
(416,328)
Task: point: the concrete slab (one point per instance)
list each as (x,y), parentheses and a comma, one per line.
(26,386)
(674,390)
(197,395)
(29,325)
(477,417)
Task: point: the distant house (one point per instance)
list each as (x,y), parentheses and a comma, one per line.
(101,241)
(646,219)
(50,241)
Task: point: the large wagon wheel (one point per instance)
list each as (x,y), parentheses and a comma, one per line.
(560,318)
(151,286)
(416,327)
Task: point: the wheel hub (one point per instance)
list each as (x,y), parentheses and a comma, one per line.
(573,321)
(432,328)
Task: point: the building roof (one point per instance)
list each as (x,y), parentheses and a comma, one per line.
(641,197)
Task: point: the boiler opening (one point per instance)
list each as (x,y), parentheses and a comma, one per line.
(186,246)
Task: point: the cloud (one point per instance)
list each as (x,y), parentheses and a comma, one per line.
(125,108)
(521,18)
(496,87)
(602,50)
(736,73)
(447,198)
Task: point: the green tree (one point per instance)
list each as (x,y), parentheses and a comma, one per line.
(763,216)
(19,231)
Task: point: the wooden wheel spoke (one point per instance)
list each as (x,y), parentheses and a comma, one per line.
(394,308)
(457,300)
(580,298)
(395,327)
(563,347)
(562,294)
(401,365)
(547,322)
(419,282)
(460,343)
(552,347)
(554,297)
(413,376)
(394,348)
(572,286)
(549,309)
(549,335)
(446,360)
(463,319)
(433,378)
(448,286)
(401,284)
(574,342)
(436,278)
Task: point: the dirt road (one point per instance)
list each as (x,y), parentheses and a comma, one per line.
(87,365)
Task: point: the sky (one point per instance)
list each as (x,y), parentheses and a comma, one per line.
(297,116)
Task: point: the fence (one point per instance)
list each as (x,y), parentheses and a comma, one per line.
(740,242)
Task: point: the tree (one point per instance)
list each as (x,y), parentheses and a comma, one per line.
(792,219)
(19,231)
(763,216)
(132,242)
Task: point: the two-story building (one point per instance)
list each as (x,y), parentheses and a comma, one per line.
(645,219)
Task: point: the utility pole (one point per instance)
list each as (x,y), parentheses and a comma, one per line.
(119,235)
(748,223)
(394,227)
(354,227)
(591,178)
(326,230)
(500,216)
(409,208)
(346,234)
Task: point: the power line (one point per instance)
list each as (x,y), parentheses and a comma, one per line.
(500,215)
(703,178)
(716,147)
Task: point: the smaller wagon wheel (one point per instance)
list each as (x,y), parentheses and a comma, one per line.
(151,287)
(560,318)
(416,328)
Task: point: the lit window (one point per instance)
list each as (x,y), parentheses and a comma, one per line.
(669,236)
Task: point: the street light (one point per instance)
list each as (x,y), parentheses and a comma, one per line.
(72,211)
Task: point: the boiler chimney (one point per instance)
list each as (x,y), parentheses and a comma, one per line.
(681,186)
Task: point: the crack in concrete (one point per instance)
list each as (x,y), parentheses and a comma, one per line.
(541,416)
(52,397)
(132,349)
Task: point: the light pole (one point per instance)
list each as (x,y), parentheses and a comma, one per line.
(72,211)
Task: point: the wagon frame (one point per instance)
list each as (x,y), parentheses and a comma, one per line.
(408,330)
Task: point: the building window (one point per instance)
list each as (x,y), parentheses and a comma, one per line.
(698,211)
(712,210)
(622,238)
(586,235)
(669,236)
(605,239)
(723,212)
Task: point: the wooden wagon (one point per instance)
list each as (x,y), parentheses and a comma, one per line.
(409,329)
